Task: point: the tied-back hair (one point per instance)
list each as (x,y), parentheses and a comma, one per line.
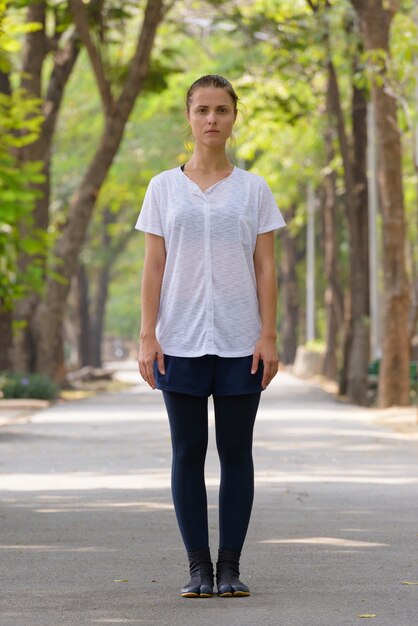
(211,80)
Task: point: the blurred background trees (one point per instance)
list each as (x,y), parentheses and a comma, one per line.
(92,105)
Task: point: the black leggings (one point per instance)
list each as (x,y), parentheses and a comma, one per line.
(234,421)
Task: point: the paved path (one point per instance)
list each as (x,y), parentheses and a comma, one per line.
(86,502)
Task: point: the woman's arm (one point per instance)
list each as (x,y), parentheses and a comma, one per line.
(152,277)
(265,272)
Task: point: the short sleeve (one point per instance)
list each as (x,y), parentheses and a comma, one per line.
(149,219)
(269,215)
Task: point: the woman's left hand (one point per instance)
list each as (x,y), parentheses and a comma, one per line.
(265,350)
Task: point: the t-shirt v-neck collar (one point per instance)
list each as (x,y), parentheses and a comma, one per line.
(209,188)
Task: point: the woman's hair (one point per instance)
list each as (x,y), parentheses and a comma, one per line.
(211,80)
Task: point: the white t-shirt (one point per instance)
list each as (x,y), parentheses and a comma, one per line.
(208,302)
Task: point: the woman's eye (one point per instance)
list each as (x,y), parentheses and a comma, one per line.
(222,110)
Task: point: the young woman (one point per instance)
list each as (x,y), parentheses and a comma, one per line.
(209,325)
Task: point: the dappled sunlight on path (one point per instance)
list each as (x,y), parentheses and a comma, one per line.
(88,526)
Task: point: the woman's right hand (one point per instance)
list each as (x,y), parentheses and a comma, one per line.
(149,351)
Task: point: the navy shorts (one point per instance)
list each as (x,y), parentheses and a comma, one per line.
(209,374)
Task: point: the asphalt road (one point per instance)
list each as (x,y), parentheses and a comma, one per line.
(89,536)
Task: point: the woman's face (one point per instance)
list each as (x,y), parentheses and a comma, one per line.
(211,115)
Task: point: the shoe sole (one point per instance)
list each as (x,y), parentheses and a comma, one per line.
(236,594)
(190,594)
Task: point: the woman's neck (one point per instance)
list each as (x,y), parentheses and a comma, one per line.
(209,160)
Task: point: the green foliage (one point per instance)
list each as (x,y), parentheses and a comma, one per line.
(16,203)
(147,147)
(275,53)
(124,305)
(20,122)
(10,31)
(40,386)
(315,345)
(278,133)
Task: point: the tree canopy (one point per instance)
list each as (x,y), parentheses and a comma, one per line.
(306,73)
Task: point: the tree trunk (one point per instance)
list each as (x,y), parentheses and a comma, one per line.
(375,18)
(413,313)
(354,378)
(50,312)
(347,339)
(289,293)
(99,314)
(6,318)
(83,309)
(359,355)
(412,260)
(34,54)
(333,292)
(35,50)
(102,291)
(103,282)
(6,339)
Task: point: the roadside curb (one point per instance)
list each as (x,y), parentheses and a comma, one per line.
(400,419)
(16,411)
